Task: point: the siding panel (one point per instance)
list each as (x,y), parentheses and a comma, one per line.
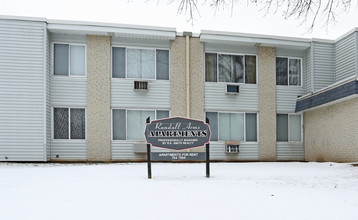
(286,97)
(68,91)
(345,59)
(124,96)
(217,99)
(247,152)
(290,151)
(323,64)
(22,101)
(308,62)
(68,150)
(124,151)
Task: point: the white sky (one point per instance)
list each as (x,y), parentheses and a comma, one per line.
(158,13)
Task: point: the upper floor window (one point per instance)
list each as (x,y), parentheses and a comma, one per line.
(230,68)
(288,71)
(140,63)
(69,59)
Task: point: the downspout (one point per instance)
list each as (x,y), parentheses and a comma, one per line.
(187,71)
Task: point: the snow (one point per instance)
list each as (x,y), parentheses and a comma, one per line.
(179,191)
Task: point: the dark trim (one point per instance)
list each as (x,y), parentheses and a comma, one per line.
(340,92)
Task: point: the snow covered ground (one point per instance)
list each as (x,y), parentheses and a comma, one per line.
(179,191)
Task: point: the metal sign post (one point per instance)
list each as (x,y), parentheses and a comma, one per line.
(177,133)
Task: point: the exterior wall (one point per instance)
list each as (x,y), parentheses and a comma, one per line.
(98,99)
(67,92)
(323,68)
(48,96)
(308,68)
(196,79)
(23,90)
(177,77)
(331,133)
(346,57)
(267,103)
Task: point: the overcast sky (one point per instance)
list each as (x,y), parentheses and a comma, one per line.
(244,19)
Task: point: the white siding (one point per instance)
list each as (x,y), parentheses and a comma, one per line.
(290,151)
(323,64)
(248,151)
(68,150)
(68,91)
(144,43)
(308,69)
(216,98)
(124,96)
(346,57)
(68,38)
(22,92)
(124,151)
(230,48)
(48,96)
(286,97)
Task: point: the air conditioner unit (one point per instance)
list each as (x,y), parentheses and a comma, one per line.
(232,89)
(140,147)
(232,147)
(141,85)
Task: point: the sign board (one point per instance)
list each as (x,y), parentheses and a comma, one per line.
(177,133)
(178,156)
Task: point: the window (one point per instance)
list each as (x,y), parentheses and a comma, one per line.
(288,71)
(140,63)
(230,68)
(289,127)
(232,126)
(130,124)
(69,60)
(69,123)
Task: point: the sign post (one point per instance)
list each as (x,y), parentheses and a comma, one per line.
(177,133)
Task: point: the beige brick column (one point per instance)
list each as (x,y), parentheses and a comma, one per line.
(98,98)
(267,103)
(177,77)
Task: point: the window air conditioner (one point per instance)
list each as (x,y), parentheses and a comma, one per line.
(141,85)
(232,89)
(232,147)
(140,147)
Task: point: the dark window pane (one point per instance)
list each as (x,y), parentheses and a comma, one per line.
(295,72)
(281,71)
(225,68)
(78,123)
(213,122)
(210,67)
(61,59)
(282,127)
(251,127)
(163,64)
(118,62)
(162,114)
(60,123)
(250,69)
(119,124)
(238,69)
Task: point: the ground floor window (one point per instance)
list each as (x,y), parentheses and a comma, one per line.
(232,126)
(289,127)
(130,124)
(69,123)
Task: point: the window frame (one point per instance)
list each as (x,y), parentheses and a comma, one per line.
(132,109)
(144,48)
(248,112)
(69,59)
(288,130)
(288,71)
(232,54)
(69,126)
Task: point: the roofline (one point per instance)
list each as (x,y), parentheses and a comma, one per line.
(22,18)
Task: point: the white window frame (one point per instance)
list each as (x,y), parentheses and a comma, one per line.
(233,54)
(69,126)
(288,130)
(132,109)
(140,48)
(69,59)
(244,141)
(288,70)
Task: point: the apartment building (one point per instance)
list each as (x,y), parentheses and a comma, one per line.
(81,91)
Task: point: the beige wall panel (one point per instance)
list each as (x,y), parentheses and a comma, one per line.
(331,133)
(177,77)
(98,98)
(267,103)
